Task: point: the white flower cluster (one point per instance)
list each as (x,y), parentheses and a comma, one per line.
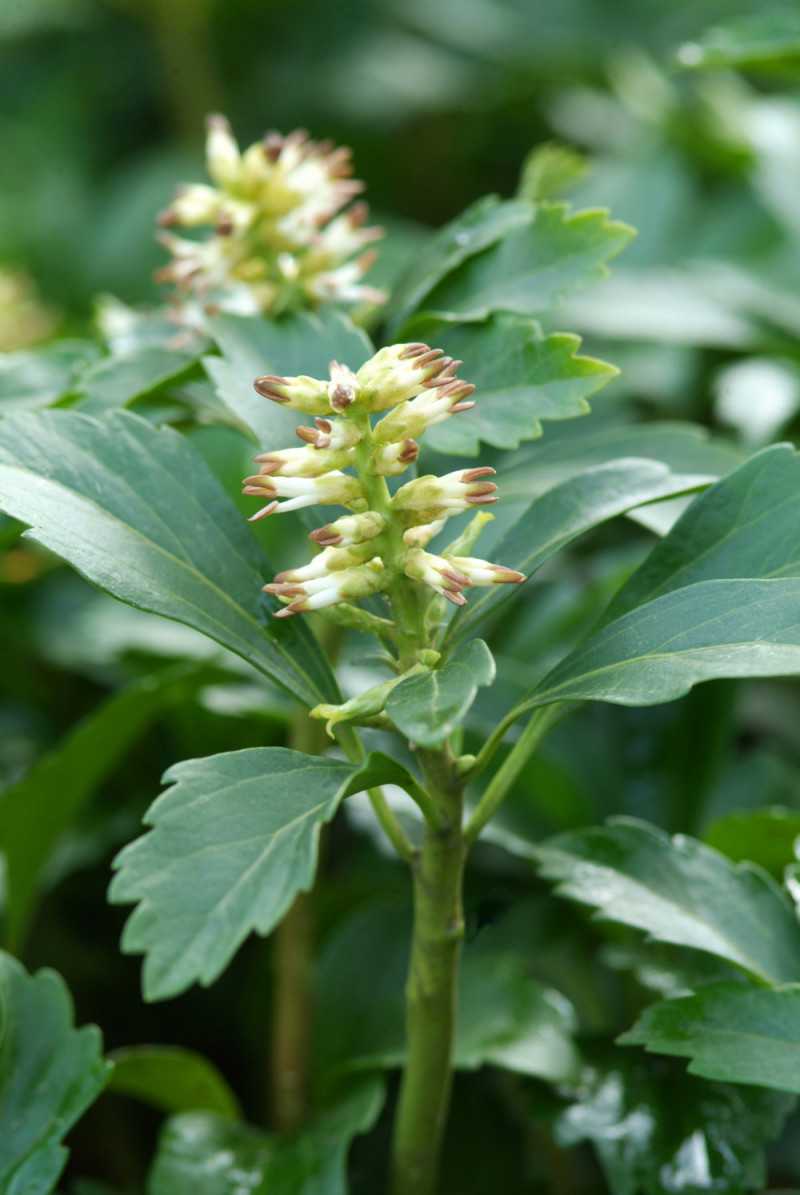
(282,233)
(386,535)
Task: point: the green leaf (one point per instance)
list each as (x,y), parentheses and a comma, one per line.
(698,607)
(427,708)
(505,1018)
(118,380)
(172,1080)
(233,841)
(568,510)
(49,1075)
(38,378)
(137,511)
(533,267)
(658,1131)
(481,225)
(203,1154)
(521,377)
(765,836)
(678,891)
(763,40)
(35,812)
(733,1033)
(301,343)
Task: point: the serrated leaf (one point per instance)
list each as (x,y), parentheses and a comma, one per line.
(765,836)
(301,343)
(481,225)
(731,1032)
(505,1018)
(172,1079)
(428,707)
(569,509)
(137,511)
(234,839)
(698,608)
(678,890)
(35,812)
(119,380)
(50,1073)
(762,40)
(36,378)
(521,376)
(533,267)
(658,1131)
(203,1154)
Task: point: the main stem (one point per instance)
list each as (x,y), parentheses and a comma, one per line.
(431,990)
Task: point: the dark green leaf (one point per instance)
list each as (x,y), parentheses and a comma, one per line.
(118,380)
(481,225)
(658,1131)
(533,267)
(679,891)
(172,1079)
(765,836)
(137,511)
(427,708)
(733,1033)
(698,607)
(566,511)
(49,1075)
(203,1154)
(300,343)
(505,1018)
(36,812)
(37,378)
(233,841)
(521,377)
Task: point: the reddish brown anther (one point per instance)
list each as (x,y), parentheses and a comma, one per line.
(410,452)
(325,537)
(265,387)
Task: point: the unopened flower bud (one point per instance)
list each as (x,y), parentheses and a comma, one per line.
(301,394)
(348,585)
(439,574)
(343,389)
(350,529)
(331,560)
(301,462)
(481,572)
(430,498)
(306,491)
(432,406)
(331,433)
(222,152)
(393,459)
(400,372)
(421,535)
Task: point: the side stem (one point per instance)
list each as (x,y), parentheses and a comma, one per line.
(431,989)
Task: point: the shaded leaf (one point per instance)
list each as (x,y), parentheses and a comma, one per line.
(561,514)
(761,40)
(35,812)
(661,1132)
(233,841)
(731,1032)
(118,380)
(505,1018)
(533,267)
(481,225)
(37,378)
(172,1079)
(678,891)
(765,836)
(203,1154)
(137,511)
(428,707)
(300,343)
(522,377)
(50,1073)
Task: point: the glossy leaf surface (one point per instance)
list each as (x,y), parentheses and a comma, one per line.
(172,1079)
(427,708)
(233,841)
(203,1154)
(137,511)
(679,891)
(50,1073)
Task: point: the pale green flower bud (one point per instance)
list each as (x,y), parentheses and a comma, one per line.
(367,705)
(331,560)
(391,460)
(430,498)
(343,389)
(349,584)
(333,487)
(301,462)
(400,372)
(331,433)
(433,406)
(222,151)
(350,529)
(301,394)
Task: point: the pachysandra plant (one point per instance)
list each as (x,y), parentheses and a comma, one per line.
(285,233)
(233,840)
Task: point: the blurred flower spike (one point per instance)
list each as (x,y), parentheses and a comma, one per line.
(383,540)
(282,234)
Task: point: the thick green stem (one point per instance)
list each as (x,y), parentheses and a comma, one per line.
(431,989)
(292,1015)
